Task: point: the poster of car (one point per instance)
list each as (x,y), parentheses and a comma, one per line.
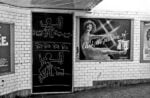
(104,39)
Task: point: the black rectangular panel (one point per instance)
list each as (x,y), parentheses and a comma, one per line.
(52,52)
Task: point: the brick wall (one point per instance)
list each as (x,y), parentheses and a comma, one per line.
(87,72)
(21,79)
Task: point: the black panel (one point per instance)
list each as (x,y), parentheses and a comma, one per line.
(52,52)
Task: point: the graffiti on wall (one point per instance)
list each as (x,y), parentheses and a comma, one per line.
(52,52)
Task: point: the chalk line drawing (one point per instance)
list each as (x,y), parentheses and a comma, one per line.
(47,45)
(61,58)
(47,69)
(64,46)
(60,22)
(49,57)
(50,46)
(56,46)
(38,45)
(48,23)
(50,29)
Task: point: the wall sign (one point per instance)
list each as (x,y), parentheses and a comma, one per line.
(103,39)
(5,48)
(52,52)
(145,41)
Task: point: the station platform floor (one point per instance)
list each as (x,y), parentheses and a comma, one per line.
(131,91)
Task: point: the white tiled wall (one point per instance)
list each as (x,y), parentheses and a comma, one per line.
(84,72)
(21,79)
(87,72)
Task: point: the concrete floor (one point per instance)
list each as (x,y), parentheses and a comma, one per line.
(134,91)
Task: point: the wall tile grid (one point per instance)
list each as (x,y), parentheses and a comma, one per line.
(21,79)
(84,72)
(87,72)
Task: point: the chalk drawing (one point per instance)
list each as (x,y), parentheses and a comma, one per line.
(50,71)
(50,29)
(47,69)
(57,46)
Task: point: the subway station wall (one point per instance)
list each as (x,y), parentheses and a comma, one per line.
(84,72)
(21,79)
(87,72)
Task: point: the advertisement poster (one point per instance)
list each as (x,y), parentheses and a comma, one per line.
(146,40)
(104,39)
(4,48)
